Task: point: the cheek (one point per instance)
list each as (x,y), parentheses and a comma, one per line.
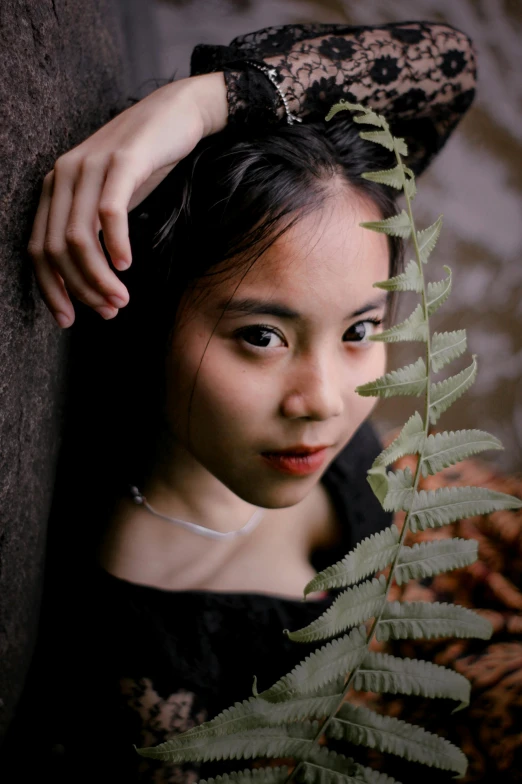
(232,400)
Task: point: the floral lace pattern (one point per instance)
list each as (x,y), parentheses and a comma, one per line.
(420,75)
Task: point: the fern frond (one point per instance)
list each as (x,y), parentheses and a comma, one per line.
(443,450)
(258,712)
(446,346)
(370,118)
(268,775)
(400,491)
(444,393)
(369,556)
(362,726)
(409,380)
(383,138)
(409,280)
(408,442)
(380,672)
(438,292)
(396,226)
(352,607)
(326,766)
(343,105)
(392,177)
(427,239)
(411,620)
(329,663)
(294,740)
(425,559)
(413,328)
(433,508)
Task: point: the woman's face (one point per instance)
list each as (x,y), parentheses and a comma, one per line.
(265,381)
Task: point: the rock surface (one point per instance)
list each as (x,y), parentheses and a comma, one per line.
(61,77)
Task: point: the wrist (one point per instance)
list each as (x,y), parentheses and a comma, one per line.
(209,93)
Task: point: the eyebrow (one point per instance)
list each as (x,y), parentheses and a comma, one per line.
(248,306)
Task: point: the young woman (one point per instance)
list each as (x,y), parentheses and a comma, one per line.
(218,450)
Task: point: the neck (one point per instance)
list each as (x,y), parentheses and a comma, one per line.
(179,486)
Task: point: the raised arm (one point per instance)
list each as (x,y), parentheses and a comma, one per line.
(421,75)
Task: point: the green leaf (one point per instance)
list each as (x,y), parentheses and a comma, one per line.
(268,775)
(400,491)
(392,177)
(427,239)
(258,712)
(377,478)
(415,327)
(410,188)
(412,620)
(425,559)
(409,280)
(446,346)
(294,740)
(362,726)
(397,226)
(409,442)
(330,662)
(325,766)
(379,137)
(433,508)
(369,556)
(370,118)
(445,393)
(437,293)
(381,672)
(342,106)
(443,450)
(400,145)
(409,380)
(352,607)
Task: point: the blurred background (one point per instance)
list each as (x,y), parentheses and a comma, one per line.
(476,182)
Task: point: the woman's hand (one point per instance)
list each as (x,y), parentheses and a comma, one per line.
(93,186)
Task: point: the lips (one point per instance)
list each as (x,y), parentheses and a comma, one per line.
(299,449)
(296,463)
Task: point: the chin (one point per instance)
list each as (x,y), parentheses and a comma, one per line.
(277,495)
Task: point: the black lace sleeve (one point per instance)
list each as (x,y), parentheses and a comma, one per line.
(421,75)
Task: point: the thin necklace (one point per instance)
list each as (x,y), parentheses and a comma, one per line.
(199,529)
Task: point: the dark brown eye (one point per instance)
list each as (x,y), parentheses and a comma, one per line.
(362,330)
(259,336)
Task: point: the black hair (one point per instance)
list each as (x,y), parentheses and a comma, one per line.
(215,213)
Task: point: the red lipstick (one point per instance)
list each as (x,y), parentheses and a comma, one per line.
(297,460)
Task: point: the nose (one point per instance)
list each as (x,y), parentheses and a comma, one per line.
(314,390)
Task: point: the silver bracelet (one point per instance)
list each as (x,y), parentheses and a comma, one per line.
(271,74)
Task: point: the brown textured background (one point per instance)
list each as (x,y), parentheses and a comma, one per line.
(60,78)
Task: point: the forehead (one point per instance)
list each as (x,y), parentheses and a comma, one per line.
(325,259)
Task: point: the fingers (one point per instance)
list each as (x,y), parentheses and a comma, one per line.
(49,282)
(64,243)
(91,279)
(117,191)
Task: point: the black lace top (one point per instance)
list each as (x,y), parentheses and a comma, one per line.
(421,75)
(121,664)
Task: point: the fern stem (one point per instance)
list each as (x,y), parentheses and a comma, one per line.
(406,525)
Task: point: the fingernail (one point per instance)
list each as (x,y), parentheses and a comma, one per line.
(118,302)
(107,313)
(121,264)
(62,320)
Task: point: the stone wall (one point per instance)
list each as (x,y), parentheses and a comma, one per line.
(61,77)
